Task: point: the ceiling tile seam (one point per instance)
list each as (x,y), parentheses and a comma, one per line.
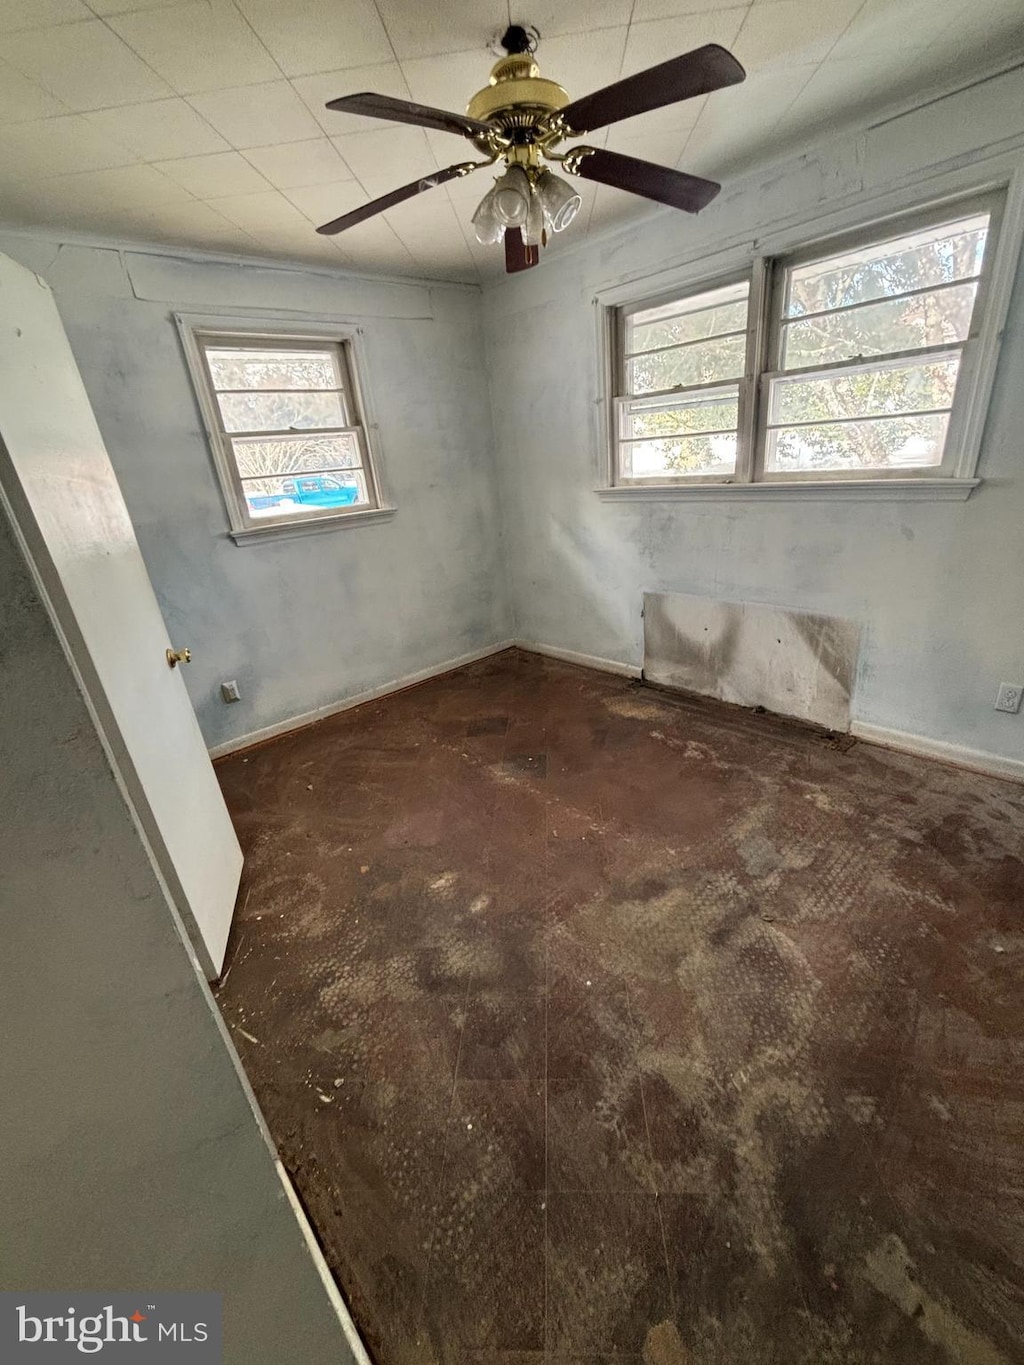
(704,106)
(245,20)
(296,142)
(431,154)
(173,92)
(604,137)
(54,23)
(394,54)
(105,170)
(82,23)
(842,34)
(784,114)
(31,80)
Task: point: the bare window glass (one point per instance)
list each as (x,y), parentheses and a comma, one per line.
(287,418)
(681,370)
(870,343)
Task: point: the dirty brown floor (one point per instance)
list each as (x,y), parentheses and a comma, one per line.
(596,1024)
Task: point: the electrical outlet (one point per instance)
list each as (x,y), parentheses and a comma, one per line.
(1009,696)
(229,691)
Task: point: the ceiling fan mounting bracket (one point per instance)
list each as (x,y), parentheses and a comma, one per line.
(518,38)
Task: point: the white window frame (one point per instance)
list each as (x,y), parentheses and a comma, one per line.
(765,262)
(198,332)
(746,399)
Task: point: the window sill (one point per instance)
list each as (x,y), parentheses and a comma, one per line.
(289,530)
(845,490)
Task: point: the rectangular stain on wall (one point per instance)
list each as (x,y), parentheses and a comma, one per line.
(792,662)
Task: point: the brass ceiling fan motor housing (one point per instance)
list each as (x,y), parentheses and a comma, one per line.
(517,97)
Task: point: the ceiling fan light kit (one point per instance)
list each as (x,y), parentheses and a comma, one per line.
(520,117)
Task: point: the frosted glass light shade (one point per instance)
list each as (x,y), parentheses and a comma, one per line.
(488,229)
(559,200)
(512,197)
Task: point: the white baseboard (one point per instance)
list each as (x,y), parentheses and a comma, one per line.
(570,656)
(282,727)
(978,760)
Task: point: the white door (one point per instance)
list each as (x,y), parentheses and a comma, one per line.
(58,479)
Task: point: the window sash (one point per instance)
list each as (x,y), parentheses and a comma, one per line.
(339,353)
(740,384)
(766,323)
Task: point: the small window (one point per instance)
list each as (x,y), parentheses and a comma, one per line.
(868,345)
(286,426)
(682,367)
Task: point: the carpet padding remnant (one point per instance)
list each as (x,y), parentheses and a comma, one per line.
(598,1025)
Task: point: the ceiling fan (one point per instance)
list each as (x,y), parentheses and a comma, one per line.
(520,118)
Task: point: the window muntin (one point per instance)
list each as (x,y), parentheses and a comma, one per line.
(876,336)
(288,424)
(857,350)
(682,367)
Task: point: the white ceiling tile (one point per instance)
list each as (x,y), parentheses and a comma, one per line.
(675,120)
(422,30)
(257,115)
(881,25)
(615,206)
(428,213)
(56,146)
(198,46)
(16,15)
(674,9)
(21,99)
(260,213)
(110,7)
(664,148)
(659,39)
(582,62)
(449,149)
(79,199)
(552,18)
(193,223)
(158,130)
(989,29)
(791,32)
(385,159)
(735,122)
(293,165)
(812,64)
(319,35)
(302,244)
(374,246)
(450,81)
(839,90)
(84,65)
(219,174)
(321,203)
(383,79)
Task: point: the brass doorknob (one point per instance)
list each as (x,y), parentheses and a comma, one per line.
(178,656)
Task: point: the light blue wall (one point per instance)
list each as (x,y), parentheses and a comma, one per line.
(303,622)
(935,586)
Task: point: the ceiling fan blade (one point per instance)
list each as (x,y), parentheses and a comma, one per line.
(675,188)
(695,73)
(403,111)
(388,201)
(518,256)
